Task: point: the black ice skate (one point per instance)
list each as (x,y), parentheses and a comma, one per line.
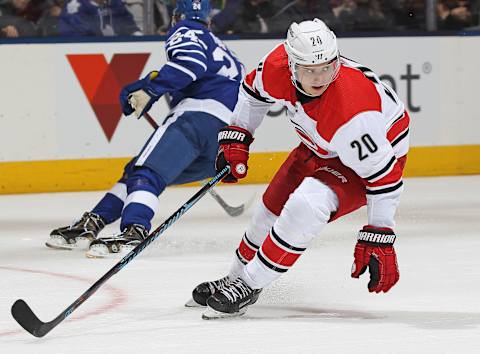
(78,235)
(120,244)
(203,291)
(233,300)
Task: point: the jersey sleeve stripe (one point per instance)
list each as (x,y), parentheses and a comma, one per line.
(178,30)
(395,120)
(389,189)
(193,60)
(181,45)
(193,51)
(397,127)
(255,95)
(400,137)
(384,171)
(383,186)
(181,68)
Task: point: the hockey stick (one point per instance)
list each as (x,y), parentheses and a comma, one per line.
(24,315)
(229,209)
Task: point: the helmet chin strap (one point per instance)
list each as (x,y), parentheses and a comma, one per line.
(298,86)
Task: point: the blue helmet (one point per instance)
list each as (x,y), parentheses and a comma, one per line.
(193,9)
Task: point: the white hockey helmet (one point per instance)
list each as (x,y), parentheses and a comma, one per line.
(311,43)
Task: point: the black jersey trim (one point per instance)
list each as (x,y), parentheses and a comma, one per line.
(254,94)
(400,137)
(385,190)
(383,170)
(402,115)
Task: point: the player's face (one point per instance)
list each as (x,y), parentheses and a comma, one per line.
(316,78)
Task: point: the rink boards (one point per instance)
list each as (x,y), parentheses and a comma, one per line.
(62,129)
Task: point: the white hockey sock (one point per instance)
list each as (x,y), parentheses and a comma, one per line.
(236,268)
(257,275)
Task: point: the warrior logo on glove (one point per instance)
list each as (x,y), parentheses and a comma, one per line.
(233,150)
(231,135)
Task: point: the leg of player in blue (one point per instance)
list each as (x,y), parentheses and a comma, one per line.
(182,150)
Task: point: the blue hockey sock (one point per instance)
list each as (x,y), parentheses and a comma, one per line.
(109,208)
(144,187)
(137,213)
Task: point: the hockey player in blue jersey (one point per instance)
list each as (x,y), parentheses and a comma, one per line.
(202,76)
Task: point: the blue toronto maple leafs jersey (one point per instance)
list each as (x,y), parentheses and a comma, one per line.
(201,73)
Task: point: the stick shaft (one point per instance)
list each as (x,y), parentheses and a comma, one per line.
(150,120)
(28,320)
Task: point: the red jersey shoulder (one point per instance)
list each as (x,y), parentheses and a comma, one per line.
(276,75)
(250,78)
(350,94)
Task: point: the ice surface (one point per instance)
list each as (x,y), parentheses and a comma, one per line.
(314,308)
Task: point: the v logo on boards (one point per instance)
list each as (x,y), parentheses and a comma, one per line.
(101,82)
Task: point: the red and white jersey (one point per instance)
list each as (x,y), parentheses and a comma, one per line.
(358,119)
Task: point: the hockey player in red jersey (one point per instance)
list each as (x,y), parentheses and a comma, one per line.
(354,134)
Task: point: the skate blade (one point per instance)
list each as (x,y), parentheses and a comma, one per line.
(211,314)
(192,303)
(101,251)
(54,246)
(81,244)
(91,255)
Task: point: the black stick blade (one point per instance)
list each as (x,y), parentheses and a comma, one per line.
(23,314)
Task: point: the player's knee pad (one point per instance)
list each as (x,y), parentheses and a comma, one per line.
(144,179)
(306,212)
(260,224)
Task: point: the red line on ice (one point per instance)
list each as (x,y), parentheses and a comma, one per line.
(118,296)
